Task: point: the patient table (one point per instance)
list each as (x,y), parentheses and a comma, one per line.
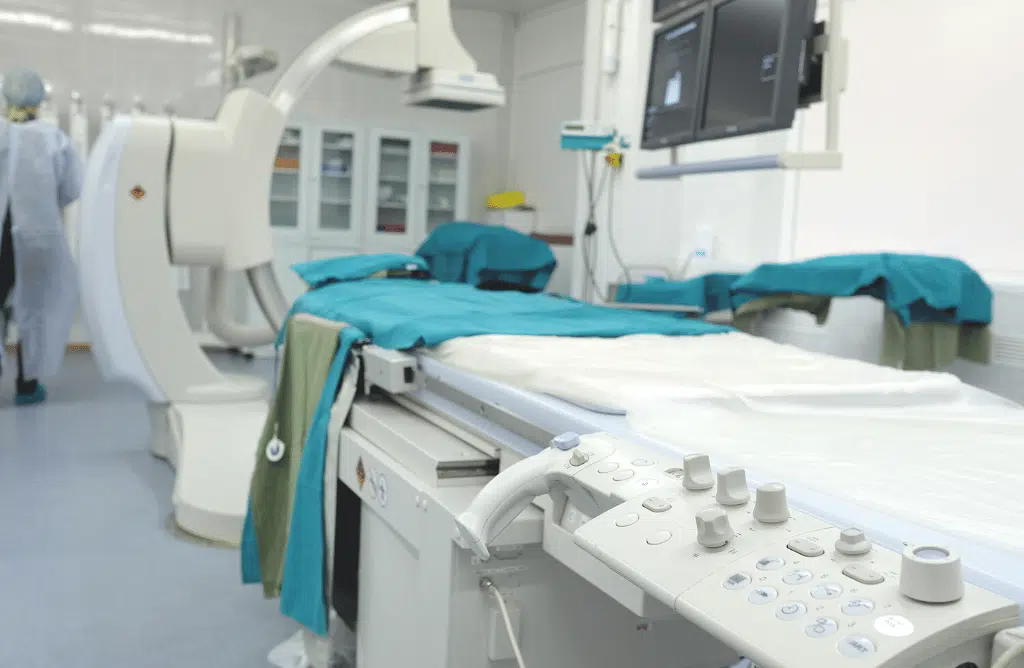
(433,427)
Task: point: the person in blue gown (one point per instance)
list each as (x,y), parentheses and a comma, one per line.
(40,174)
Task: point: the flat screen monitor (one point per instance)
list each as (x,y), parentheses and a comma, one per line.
(665,9)
(673,86)
(755,63)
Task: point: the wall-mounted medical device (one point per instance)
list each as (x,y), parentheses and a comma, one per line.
(780,586)
(586,136)
(728,68)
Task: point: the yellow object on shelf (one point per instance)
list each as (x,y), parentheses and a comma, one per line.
(508,200)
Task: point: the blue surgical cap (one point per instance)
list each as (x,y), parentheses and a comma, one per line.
(23,88)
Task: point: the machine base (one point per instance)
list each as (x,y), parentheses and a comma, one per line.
(212,446)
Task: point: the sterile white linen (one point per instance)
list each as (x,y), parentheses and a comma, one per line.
(922,446)
(632,370)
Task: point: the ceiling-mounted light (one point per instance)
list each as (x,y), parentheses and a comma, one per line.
(45,21)
(152,34)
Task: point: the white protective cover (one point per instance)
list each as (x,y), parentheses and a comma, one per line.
(923,447)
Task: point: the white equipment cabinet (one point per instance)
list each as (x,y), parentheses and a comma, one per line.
(340,190)
(418,181)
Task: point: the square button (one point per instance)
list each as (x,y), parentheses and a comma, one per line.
(656,505)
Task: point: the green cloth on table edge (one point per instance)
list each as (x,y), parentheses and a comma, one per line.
(926,346)
(921,346)
(308,351)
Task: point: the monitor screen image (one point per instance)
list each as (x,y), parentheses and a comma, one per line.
(744,61)
(673,87)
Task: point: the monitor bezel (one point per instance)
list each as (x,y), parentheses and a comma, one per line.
(689,136)
(675,8)
(797,27)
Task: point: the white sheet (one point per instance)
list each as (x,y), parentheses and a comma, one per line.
(923,447)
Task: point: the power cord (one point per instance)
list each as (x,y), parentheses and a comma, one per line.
(489,586)
(591,223)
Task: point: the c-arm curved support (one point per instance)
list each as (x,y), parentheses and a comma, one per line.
(381,37)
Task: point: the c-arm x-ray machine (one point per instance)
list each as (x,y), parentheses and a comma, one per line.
(172,191)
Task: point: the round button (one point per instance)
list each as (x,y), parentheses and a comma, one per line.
(822,627)
(763,595)
(643,462)
(826,592)
(858,607)
(787,612)
(736,581)
(894,626)
(627,520)
(770,564)
(856,647)
(607,467)
(275,450)
(798,577)
(624,475)
(659,537)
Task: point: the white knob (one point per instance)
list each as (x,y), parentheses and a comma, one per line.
(697,473)
(713,528)
(578,458)
(732,487)
(931,574)
(852,542)
(770,506)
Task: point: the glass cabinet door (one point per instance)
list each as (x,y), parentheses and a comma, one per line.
(392,191)
(445,191)
(286,183)
(336,213)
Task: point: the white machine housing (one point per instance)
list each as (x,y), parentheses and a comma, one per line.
(169,191)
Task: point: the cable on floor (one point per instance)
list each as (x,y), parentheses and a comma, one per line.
(489,586)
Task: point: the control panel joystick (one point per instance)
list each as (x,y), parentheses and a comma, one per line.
(697,474)
(713,528)
(732,487)
(771,507)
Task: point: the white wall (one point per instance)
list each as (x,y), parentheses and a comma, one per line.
(547,90)
(931,134)
(928,132)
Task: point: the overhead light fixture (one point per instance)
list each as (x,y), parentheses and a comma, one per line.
(45,21)
(150,34)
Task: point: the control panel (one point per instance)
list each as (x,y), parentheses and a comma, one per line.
(782,587)
(785,589)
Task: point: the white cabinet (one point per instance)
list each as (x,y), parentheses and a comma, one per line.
(340,191)
(447,182)
(417,183)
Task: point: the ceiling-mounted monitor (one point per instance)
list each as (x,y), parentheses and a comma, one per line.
(673,86)
(755,55)
(666,9)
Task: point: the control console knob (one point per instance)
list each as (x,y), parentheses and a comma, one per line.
(566,441)
(578,458)
(931,574)
(852,543)
(697,473)
(770,506)
(732,487)
(713,528)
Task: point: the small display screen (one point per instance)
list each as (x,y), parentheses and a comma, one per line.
(743,67)
(671,110)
